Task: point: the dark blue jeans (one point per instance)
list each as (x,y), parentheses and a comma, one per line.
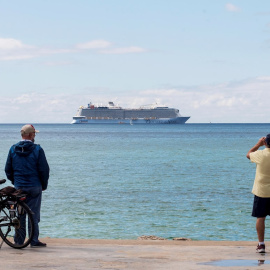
(33,200)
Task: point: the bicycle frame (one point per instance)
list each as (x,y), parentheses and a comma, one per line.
(16,219)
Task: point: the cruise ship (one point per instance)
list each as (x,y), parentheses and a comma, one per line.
(114,114)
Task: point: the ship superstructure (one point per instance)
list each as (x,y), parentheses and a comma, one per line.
(115,114)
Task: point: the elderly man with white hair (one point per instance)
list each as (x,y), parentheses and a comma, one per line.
(27,168)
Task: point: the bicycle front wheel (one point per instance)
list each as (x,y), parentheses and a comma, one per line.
(16,224)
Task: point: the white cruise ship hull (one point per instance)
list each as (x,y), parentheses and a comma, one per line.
(177,120)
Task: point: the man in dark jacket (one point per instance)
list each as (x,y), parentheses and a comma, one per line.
(28,170)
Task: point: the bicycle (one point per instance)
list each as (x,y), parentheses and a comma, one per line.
(16,218)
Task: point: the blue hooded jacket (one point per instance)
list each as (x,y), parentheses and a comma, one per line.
(27,165)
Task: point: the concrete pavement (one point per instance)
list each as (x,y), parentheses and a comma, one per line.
(71,254)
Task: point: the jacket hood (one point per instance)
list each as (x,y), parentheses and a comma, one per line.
(24,148)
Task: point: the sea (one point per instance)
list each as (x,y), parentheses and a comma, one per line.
(124,181)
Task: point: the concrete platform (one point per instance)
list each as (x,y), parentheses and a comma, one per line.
(135,254)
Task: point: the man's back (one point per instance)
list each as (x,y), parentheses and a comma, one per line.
(261,185)
(23,157)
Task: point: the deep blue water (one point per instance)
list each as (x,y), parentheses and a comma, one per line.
(123,181)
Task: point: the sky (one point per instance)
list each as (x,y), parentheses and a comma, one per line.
(207,58)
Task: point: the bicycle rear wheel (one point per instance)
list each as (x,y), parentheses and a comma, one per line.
(16,224)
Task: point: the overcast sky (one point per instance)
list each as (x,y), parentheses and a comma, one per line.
(208,58)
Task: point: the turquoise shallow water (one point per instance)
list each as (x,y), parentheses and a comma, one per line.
(123,181)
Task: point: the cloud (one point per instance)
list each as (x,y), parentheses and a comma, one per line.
(230,102)
(126,50)
(12,49)
(243,101)
(23,99)
(12,44)
(29,53)
(263,78)
(15,56)
(106,47)
(95,44)
(35,107)
(232,8)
